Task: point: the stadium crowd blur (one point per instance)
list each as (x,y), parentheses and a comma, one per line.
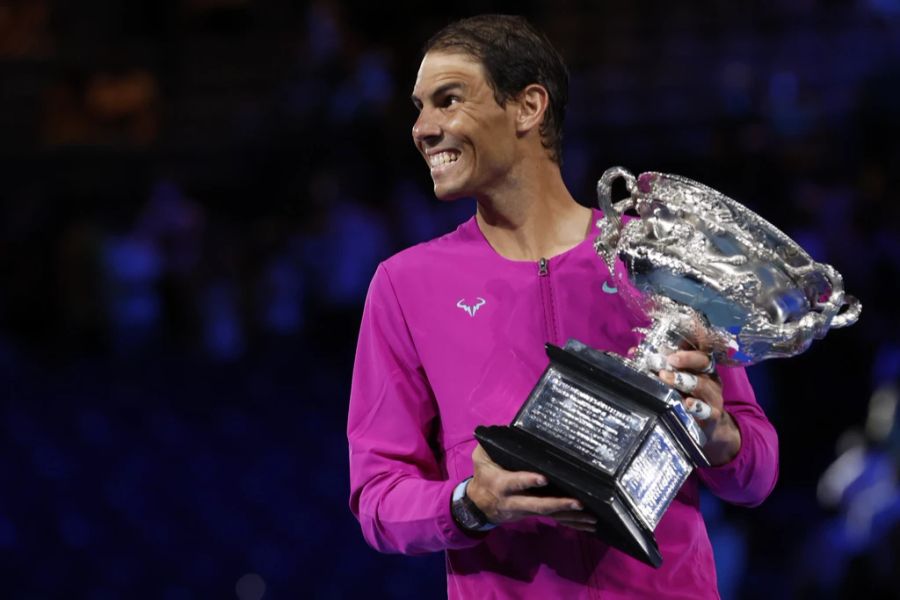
(194,196)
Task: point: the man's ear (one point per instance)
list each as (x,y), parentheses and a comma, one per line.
(532,104)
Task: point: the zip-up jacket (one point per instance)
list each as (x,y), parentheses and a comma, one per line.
(452,337)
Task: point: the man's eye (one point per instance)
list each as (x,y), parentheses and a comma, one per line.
(450,100)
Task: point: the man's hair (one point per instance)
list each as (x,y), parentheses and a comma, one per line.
(514,55)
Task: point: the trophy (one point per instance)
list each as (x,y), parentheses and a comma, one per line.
(707,273)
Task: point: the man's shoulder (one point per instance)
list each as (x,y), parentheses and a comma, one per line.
(431,254)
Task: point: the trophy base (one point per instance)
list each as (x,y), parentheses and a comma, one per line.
(607,434)
(517,450)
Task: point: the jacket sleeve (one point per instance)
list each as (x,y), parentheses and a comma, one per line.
(398,488)
(750,476)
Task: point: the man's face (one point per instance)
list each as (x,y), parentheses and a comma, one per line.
(467,139)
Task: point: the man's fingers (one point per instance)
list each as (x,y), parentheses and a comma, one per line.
(577,519)
(698,408)
(538,505)
(697,386)
(515,482)
(684,381)
(689,360)
(508,482)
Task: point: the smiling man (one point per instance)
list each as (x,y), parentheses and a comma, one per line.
(453,336)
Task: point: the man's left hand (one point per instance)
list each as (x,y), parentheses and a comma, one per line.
(723,438)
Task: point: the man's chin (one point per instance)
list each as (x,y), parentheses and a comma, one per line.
(446,194)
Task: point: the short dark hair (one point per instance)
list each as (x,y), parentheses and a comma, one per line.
(514,54)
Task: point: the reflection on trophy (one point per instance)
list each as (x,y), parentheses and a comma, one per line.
(708,274)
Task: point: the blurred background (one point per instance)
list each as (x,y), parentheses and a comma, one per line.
(194,195)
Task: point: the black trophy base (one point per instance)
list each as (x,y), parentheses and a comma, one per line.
(517,450)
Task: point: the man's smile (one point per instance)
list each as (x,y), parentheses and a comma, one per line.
(442,161)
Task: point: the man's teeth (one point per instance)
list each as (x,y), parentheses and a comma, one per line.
(442,158)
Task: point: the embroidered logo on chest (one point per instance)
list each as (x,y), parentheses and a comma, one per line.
(471,309)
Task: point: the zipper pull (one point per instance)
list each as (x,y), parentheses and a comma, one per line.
(542,267)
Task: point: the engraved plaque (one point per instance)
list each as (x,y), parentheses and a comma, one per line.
(589,427)
(655,475)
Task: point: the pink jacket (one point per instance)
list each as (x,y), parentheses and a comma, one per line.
(452,337)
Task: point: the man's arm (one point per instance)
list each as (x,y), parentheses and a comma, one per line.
(399,491)
(750,476)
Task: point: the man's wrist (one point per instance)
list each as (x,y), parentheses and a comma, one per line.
(725,441)
(465,512)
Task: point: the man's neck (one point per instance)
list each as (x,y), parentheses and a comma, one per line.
(533,218)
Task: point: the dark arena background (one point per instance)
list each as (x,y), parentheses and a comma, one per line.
(194,195)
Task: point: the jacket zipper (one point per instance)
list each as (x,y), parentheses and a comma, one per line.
(548,300)
(549,303)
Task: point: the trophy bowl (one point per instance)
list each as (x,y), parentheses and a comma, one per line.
(707,273)
(711,274)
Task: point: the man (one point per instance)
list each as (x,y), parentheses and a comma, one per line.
(453,334)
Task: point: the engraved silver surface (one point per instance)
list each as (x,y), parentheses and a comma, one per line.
(563,414)
(711,273)
(654,477)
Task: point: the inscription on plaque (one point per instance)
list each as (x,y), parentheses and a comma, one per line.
(587,427)
(655,476)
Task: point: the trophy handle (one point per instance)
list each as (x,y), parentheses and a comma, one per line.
(848,315)
(612,218)
(844,307)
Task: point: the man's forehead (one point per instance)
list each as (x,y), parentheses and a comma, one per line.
(440,67)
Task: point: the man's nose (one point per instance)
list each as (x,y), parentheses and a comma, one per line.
(426,129)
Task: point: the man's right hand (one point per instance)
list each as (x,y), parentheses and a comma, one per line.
(503,496)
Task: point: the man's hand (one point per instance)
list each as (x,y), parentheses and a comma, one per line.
(503,496)
(723,436)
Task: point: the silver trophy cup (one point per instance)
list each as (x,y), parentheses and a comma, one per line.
(711,273)
(707,273)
